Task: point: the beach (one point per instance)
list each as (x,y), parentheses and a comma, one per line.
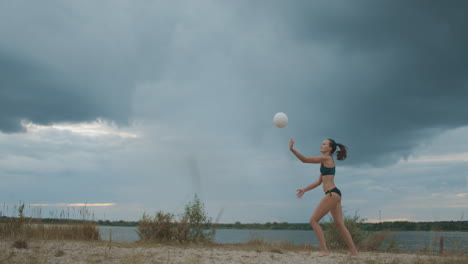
(68,252)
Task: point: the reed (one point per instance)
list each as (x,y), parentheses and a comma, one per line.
(23,228)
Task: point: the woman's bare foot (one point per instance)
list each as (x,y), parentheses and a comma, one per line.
(323,254)
(353,253)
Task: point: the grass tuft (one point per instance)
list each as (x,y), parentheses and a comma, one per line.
(20,244)
(59,253)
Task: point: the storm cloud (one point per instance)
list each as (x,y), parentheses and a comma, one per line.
(74,62)
(379,77)
(129,103)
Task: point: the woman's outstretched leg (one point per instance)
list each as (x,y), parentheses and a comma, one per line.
(337,214)
(326,205)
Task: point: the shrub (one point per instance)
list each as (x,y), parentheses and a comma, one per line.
(195,222)
(160,228)
(334,238)
(190,227)
(364,240)
(376,240)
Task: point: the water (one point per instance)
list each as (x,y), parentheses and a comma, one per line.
(417,240)
(406,240)
(119,233)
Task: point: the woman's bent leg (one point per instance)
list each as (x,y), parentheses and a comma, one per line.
(326,204)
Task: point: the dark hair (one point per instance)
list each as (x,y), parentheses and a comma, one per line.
(340,154)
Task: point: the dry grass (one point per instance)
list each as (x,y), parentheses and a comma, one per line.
(80,231)
(23,228)
(260,245)
(375,241)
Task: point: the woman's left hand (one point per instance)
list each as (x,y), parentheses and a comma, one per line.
(299,193)
(291,144)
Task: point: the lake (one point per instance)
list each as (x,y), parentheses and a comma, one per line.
(406,240)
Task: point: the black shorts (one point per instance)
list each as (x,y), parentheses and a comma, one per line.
(335,190)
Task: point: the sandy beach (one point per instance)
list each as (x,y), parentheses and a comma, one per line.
(69,252)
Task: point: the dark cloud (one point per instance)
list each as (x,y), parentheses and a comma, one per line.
(399,72)
(379,77)
(32,92)
(70,62)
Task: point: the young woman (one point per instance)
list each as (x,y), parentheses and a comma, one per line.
(331,202)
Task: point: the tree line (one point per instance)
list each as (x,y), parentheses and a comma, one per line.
(392,226)
(461,226)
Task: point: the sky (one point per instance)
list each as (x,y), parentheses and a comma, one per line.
(132,107)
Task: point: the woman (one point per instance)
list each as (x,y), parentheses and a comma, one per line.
(332,200)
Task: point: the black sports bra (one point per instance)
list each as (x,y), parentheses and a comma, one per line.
(327,171)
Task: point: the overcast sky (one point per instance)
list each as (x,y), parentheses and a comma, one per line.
(135,106)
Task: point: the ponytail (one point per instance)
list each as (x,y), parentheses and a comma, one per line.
(340,154)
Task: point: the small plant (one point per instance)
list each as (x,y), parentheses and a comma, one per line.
(59,253)
(15,226)
(20,244)
(197,222)
(276,250)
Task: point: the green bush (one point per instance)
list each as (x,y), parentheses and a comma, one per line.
(364,240)
(353,224)
(197,222)
(191,227)
(159,228)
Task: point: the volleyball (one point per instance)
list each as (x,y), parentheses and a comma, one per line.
(280,119)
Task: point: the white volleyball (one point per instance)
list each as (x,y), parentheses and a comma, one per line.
(280,119)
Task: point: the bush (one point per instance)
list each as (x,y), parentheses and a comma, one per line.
(164,227)
(160,228)
(364,240)
(376,240)
(195,222)
(353,224)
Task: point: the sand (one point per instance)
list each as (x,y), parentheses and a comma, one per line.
(68,252)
